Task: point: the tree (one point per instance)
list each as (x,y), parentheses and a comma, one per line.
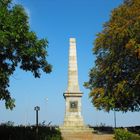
(114,81)
(19,47)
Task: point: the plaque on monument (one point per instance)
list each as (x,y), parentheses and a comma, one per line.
(73,106)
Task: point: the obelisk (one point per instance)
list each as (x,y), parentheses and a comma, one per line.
(73,127)
(72,95)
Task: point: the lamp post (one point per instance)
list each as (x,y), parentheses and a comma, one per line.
(37,108)
(46,109)
(114,118)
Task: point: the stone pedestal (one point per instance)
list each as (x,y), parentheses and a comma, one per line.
(73,117)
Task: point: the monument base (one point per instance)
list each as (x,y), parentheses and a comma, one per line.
(77,136)
(74,124)
(76,132)
(73,121)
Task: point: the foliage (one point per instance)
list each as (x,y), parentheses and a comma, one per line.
(114,81)
(122,134)
(134,129)
(135,137)
(19,47)
(9,123)
(103,129)
(29,133)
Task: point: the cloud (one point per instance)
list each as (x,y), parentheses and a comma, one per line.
(15,2)
(27,11)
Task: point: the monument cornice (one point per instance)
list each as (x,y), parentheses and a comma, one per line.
(72,94)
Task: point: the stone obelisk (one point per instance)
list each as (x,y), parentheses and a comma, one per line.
(73,127)
(72,95)
(73,85)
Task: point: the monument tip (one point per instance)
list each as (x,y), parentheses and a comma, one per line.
(72,40)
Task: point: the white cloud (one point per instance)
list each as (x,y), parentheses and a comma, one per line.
(27,11)
(15,1)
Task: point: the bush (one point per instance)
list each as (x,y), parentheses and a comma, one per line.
(122,134)
(135,137)
(28,133)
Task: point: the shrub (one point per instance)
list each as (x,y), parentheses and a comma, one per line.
(135,137)
(29,133)
(122,134)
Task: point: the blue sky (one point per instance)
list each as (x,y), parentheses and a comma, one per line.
(58,20)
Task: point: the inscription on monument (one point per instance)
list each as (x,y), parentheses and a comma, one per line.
(73,106)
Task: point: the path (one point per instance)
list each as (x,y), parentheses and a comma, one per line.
(86,136)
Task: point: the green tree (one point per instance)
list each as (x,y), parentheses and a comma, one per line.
(114,81)
(19,47)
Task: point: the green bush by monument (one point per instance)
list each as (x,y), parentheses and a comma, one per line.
(122,134)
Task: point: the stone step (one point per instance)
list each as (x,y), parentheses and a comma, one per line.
(77,136)
(76,130)
(75,127)
(82,129)
(73,131)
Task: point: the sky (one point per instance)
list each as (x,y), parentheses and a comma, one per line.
(58,20)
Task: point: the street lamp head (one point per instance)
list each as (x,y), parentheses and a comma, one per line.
(37,108)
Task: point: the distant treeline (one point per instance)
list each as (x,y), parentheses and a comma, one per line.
(29,133)
(109,129)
